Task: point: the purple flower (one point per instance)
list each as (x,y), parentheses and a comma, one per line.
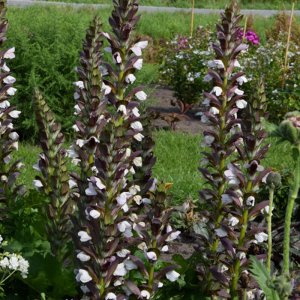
(250,36)
(182,43)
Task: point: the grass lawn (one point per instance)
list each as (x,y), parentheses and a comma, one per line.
(251,4)
(178,157)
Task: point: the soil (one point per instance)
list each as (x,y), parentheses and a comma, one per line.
(161,99)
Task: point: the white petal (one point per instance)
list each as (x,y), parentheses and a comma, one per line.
(10,53)
(130,78)
(79,84)
(172,276)
(15,114)
(90,191)
(122,108)
(37,183)
(142,96)
(94,214)
(9,80)
(137,126)
(138,161)
(83,257)
(241,104)
(106,89)
(261,237)
(145,294)
(239,92)
(151,255)
(84,236)
(217,90)
(13,135)
(135,112)
(5,68)
(111,296)
(120,270)
(138,64)
(83,276)
(4,104)
(139,137)
(11,91)
(220,232)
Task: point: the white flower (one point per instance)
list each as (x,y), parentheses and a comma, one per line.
(172,276)
(151,255)
(5,68)
(145,294)
(208,140)
(4,263)
(214,110)
(122,198)
(137,48)
(130,78)
(83,257)
(14,114)
(84,236)
(75,127)
(83,276)
(98,182)
(233,221)
(139,137)
(111,296)
(138,161)
(261,237)
(76,96)
(94,214)
(77,109)
(91,191)
(117,58)
(79,84)
(135,112)
(122,108)
(106,35)
(11,91)
(1,239)
(250,201)
(80,142)
(125,228)
(241,104)
(123,253)
(13,135)
(217,90)
(72,183)
(236,64)
(9,80)
(120,270)
(239,92)
(37,183)
(142,96)
(14,262)
(266,210)
(138,64)
(10,53)
(137,126)
(250,295)
(220,232)
(106,89)
(4,104)
(165,248)
(173,236)
(241,255)
(242,80)
(232,179)
(134,189)
(160,285)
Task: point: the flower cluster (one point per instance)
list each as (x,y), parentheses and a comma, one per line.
(231,198)
(110,225)
(11,263)
(54,179)
(9,169)
(250,36)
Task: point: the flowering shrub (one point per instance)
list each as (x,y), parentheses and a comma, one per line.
(250,36)
(281,86)
(185,63)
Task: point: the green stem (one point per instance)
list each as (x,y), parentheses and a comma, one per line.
(288,217)
(269,219)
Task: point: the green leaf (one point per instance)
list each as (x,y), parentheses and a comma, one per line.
(263,278)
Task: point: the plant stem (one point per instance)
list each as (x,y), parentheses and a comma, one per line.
(192,17)
(288,216)
(269,219)
(288,43)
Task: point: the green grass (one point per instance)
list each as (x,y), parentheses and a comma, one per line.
(178,156)
(249,4)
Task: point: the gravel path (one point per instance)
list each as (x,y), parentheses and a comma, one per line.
(265,13)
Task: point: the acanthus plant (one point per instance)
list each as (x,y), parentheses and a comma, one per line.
(231,168)
(110,225)
(53,180)
(9,170)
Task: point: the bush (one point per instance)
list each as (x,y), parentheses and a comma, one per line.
(185,64)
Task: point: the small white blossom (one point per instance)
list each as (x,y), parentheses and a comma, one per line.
(142,96)
(214,110)
(120,270)
(11,91)
(138,64)
(241,104)
(145,294)
(9,80)
(242,80)
(233,221)
(173,236)
(14,114)
(137,48)
(239,92)
(172,276)
(122,108)
(138,161)
(91,191)
(136,112)
(37,183)
(10,53)
(94,214)
(83,276)
(111,296)
(130,78)
(209,139)
(139,137)
(250,201)
(151,255)
(137,126)
(83,257)
(84,236)
(217,90)
(4,104)
(220,232)
(79,84)
(261,237)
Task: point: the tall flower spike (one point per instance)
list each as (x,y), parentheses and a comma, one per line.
(223,104)
(9,170)
(54,179)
